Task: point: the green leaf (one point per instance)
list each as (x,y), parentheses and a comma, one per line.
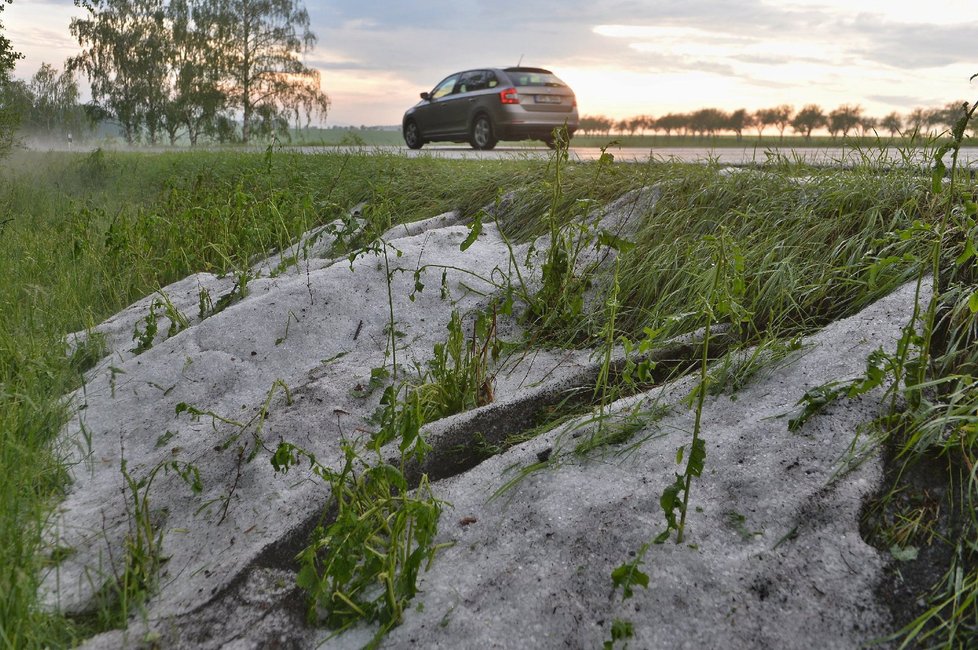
(473,232)
(611,240)
(973,303)
(621,629)
(903,554)
(418,285)
(627,575)
(937,174)
(697,458)
(967,254)
(285,456)
(670,501)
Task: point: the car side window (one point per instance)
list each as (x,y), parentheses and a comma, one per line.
(445,87)
(475,80)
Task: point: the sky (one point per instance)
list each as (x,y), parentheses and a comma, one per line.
(621,57)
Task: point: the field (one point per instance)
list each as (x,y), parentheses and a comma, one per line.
(771,254)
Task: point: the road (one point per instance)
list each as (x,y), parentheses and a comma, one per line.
(835,156)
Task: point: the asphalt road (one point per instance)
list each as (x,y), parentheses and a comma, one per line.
(835,156)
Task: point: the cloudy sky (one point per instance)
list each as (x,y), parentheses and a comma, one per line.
(622,57)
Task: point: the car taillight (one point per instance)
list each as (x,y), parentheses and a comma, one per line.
(509,96)
(573,101)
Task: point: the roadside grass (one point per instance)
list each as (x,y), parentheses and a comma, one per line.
(86,234)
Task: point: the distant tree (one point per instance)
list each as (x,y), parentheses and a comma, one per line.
(259,43)
(16,98)
(622,126)
(808,119)
(915,120)
(636,124)
(197,97)
(708,121)
(943,118)
(750,120)
(595,124)
(645,123)
(844,119)
(781,116)
(764,117)
(867,123)
(223,129)
(892,123)
(54,101)
(587,125)
(738,121)
(671,122)
(9,111)
(270,122)
(125,53)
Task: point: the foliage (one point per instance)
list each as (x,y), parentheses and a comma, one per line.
(808,119)
(364,563)
(458,378)
(9,115)
(47,104)
(128,49)
(556,308)
(162,68)
(259,43)
(143,545)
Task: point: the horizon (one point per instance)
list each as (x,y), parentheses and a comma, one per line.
(622,59)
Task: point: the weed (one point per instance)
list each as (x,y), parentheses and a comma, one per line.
(88,351)
(147,336)
(458,378)
(739,367)
(724,299)
(556,309)
(256,424)
(364,564)
(131,586)
(144,338)
(237,293)
(932,406)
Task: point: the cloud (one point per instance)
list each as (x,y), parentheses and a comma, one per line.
(916,46)
(899,101)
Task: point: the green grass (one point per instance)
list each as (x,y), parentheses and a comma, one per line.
(84,235)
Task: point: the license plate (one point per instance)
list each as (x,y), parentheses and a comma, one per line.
(548,99)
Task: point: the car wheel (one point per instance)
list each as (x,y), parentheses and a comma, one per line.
(482,136)
(412,136)
(550,142)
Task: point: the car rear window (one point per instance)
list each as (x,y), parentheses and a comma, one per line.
(529,78)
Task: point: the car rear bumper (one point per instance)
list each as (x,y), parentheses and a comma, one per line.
(527,126)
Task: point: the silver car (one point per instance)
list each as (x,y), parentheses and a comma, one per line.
(484,106)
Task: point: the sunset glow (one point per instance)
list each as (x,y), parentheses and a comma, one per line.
(667,57)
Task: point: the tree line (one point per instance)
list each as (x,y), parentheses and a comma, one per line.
(224,70)
(843,120)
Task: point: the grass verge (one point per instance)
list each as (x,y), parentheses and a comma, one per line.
(86,234)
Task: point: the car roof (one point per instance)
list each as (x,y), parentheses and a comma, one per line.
(510,69)
(523,69)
